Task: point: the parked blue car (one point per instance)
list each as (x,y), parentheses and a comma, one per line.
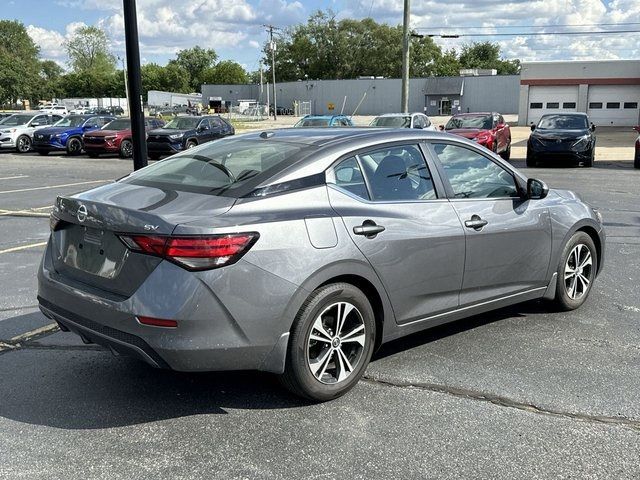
(316,121)
(66,134)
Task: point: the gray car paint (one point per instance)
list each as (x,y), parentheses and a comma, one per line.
(239,316)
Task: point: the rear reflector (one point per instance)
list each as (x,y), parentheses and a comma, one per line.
(158,322)
(195,252)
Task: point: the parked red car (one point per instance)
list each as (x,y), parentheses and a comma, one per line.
(115,137)
(636,161)
(488,129)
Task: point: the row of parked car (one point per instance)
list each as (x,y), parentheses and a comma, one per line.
(101,134)
(558,136)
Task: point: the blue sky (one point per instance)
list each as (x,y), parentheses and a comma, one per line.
(234,27)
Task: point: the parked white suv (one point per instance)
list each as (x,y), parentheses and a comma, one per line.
(404,120)
(55,109)
(16,131)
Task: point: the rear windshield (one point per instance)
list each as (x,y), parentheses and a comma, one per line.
(472,121)
(565,122)
(71,121)
(14,120)
(398,122)
(120,124)
(229,167)
(183,123)
(313,122)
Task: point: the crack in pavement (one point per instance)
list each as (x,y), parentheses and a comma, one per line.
(504,402)
(18,341)
(11,309)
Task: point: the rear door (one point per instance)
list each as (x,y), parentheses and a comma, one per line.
(508,239)
(398,217)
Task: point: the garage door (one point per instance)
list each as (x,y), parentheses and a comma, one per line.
(551,99)
(617,105)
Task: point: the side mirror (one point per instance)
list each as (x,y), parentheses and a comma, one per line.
(533,127)
(536,189)
(499,126)
(441,128)
(637,129)
(593,127)
(417,126)
(204,128)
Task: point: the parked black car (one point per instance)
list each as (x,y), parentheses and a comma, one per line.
(183,133)
(559,136)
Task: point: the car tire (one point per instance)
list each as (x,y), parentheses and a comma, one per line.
(317,357)
(506,155)
(23,144)
(576,271)
(531,161)
(190,144)
(636,162)
(154,156)
(74,146)
(126,149)
(589,163)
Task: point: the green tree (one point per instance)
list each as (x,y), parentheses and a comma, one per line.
(226,72)
(88,51)
(50,84)
(487,55)
(195,61)
(19,64)
(447,65)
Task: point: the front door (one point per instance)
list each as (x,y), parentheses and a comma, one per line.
(405,228)
(508,238)
(445,107)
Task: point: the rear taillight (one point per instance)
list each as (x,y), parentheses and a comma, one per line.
(194,252)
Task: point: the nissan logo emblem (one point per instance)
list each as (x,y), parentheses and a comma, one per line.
(81,213)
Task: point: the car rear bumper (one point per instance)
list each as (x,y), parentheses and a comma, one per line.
(229,330)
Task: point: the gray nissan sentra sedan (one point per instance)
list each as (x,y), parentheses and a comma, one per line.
(301,251)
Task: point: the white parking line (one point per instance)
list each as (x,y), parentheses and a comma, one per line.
(11,178)
(23,247)
(54,186)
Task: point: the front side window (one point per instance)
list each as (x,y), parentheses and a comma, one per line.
(118,124)
(393,122)
(183,123)
(473,175)
(397,173)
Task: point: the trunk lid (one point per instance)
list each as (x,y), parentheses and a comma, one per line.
(86,245)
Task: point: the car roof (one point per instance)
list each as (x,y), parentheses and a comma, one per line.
(475,114)
(566,114)
(326,116)
(400,114)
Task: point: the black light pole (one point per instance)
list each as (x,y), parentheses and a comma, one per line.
(136,114)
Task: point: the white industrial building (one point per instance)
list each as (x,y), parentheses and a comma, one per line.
(606,90)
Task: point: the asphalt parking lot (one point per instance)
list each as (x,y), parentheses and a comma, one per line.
(517,393)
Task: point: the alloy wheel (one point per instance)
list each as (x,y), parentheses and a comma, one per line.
(578,271)
(127,149)
(24,144)
(336,343)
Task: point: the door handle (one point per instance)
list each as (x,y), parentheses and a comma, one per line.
(369,229)
(475,222)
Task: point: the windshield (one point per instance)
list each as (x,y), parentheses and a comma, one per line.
(15,120)
(120,124)
(471,121)
(183,123)
(313,122)
(70,121)
(398,122)
(221,167)
(563,122)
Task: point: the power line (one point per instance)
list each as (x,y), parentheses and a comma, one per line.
(484,27)
(530,34)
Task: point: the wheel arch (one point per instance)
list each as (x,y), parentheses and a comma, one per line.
(593,233)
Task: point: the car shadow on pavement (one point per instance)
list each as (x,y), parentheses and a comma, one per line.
(448,329)
(72,386)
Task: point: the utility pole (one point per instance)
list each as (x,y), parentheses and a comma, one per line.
(272,46)
(126,82)
(405,56)
(138,135)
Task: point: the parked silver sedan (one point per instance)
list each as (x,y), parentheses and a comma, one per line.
(301,251)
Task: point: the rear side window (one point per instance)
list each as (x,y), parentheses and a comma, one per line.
(472,175)
(397,173)
(349,177)
(230,167)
